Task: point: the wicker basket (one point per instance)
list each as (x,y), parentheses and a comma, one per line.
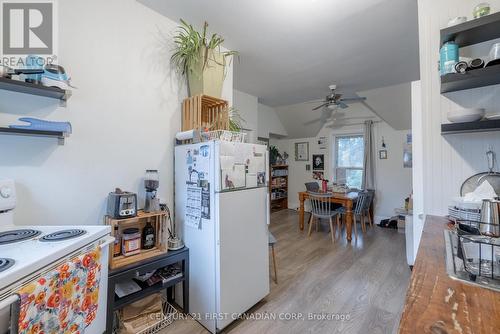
(165,320)
(224,135)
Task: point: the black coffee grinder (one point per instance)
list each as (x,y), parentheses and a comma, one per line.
(151,183)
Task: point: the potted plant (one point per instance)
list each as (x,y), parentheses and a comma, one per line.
(200,58)
(274,154)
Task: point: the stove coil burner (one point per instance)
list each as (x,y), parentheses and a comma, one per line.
(6,264)
(17,235)
(62,235)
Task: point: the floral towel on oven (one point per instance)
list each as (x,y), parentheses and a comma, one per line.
(64,301)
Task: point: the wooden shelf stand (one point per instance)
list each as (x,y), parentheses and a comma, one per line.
(159,222)
(278,187)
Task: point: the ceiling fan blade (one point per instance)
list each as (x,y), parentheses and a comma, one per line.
(325,115)
(316,101)
(353,99)
(342,105)
(321,106)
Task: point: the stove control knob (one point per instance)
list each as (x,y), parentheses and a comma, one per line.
(5,192)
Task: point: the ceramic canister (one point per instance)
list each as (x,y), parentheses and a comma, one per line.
(448,57)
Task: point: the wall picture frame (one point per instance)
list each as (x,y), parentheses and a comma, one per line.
(302,151)
(318,162)
(382,154)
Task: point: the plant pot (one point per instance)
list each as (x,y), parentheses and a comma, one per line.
(207,79)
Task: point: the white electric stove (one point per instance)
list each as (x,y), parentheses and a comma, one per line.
(26,251)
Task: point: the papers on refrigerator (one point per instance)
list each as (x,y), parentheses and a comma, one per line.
(193,207)
(234,177)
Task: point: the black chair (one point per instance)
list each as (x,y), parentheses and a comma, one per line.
(312,186)
(362,205)
(368,205)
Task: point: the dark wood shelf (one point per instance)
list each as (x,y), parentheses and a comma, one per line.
(482,77)
(480,126)
(472,32)
(33,89)
(279,166)
(120,302)
(34,133)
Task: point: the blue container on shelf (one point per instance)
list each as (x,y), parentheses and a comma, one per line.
(448,57)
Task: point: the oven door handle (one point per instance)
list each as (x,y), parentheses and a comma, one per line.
(8,301)
(108,240)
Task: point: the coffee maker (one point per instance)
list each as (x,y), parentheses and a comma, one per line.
(151,183)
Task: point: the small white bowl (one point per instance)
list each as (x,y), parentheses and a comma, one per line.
(466,115)
(457,20)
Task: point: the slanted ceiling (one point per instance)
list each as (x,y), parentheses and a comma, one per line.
(391,104)
(291,50)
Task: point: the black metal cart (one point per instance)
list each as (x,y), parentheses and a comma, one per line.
(141,267)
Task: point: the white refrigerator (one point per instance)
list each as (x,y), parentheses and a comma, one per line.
(222,212)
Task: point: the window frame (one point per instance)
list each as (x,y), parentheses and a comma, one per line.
(335,161)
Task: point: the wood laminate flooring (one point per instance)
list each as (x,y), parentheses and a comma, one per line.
(365,282)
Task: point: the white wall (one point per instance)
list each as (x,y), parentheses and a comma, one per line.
(448,160)
(269,123)
(418,164)
(392,104)
(393,182)
(246,105)
(124,113)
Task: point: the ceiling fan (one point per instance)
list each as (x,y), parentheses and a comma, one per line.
(331,103)
(334,100)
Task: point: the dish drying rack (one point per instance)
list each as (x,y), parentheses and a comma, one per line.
(480,253)
(456,213)
(224,135)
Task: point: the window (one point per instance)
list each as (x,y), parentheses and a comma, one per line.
(349,156)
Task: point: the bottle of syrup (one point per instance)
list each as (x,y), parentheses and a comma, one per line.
(148,236)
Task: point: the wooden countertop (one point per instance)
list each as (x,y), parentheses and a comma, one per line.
(435,303)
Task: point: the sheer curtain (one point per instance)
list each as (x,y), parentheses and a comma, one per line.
(369,160)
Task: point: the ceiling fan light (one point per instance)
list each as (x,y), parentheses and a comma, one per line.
(332,106)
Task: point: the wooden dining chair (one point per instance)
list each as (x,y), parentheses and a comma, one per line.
(272,242)
(321,209)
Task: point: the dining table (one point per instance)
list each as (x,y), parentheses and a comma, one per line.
(347,200)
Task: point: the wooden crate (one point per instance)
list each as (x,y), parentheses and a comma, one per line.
(203,111)
(159,222)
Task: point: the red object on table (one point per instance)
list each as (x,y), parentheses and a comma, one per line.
(324,185)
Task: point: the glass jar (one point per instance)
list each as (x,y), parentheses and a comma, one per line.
(481,10)
(131,241)
(151,179)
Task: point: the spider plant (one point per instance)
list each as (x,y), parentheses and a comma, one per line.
(195,51)
(235,120)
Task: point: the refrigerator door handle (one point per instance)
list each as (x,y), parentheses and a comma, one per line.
(268,208)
